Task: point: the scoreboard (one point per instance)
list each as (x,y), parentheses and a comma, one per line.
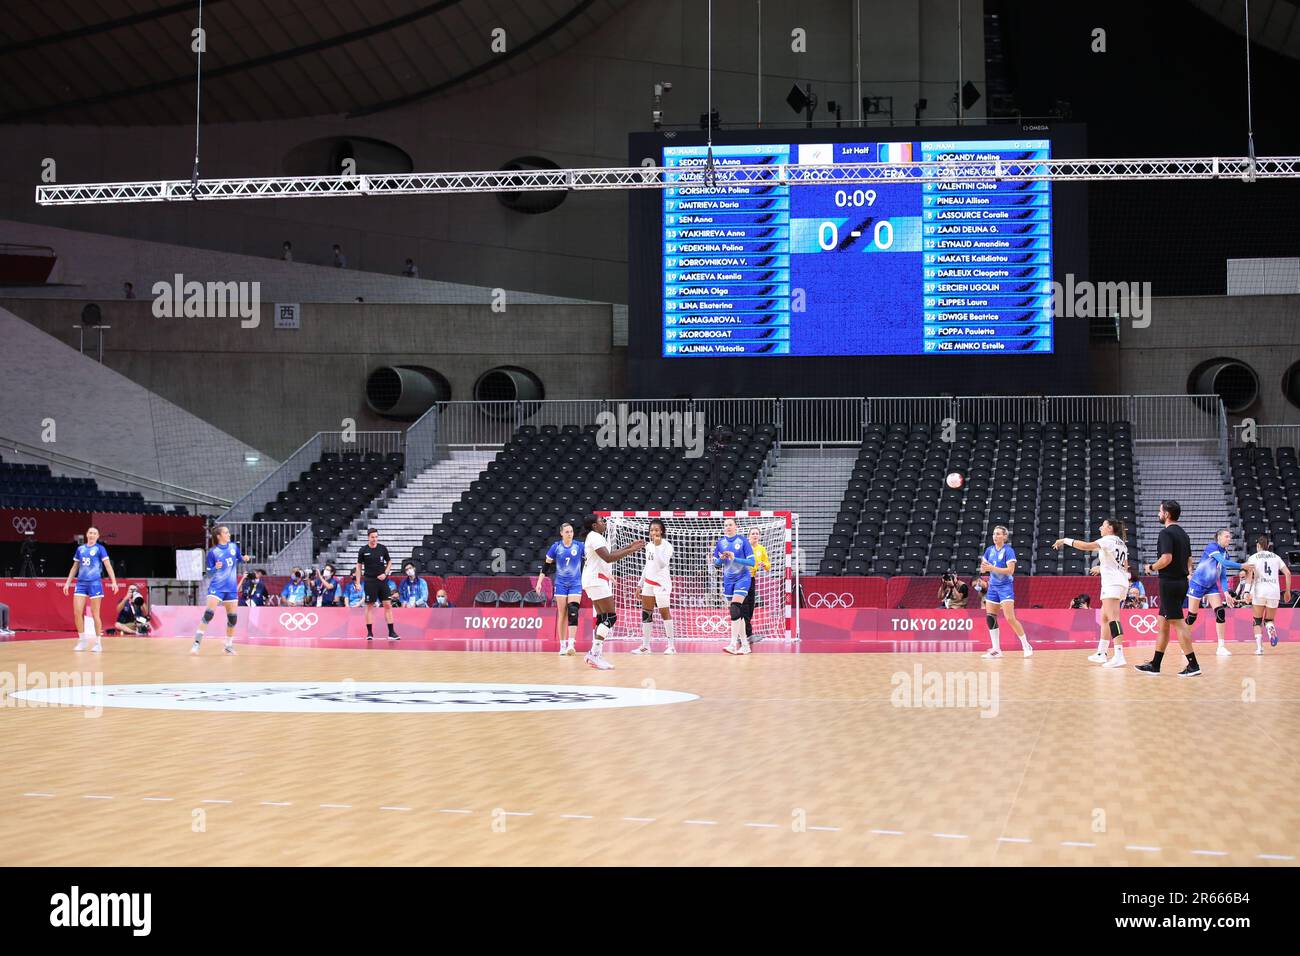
(947,268)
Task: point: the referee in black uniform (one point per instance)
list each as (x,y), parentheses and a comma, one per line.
(373,565)
(1175,550)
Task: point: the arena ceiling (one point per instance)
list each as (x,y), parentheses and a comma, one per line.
(129,62)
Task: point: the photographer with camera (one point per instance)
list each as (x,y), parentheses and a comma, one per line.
(1081,602)
(133,613)
(326,589)
(953,592)
(252,589)
(295,591)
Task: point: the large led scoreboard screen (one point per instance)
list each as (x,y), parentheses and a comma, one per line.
(941,268)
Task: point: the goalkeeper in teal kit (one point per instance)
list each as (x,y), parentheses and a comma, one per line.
(735,556)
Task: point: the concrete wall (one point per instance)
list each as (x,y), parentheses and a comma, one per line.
(576,108)
(275,388)
(1262,331)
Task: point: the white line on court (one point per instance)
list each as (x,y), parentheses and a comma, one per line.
(576,816)
(95,796)
(1076,843)
(763,826)
(888,832)
(158,799)
(950,836)
(1143,849)
(455,811)
(827,829)
(216,801)
(335,806)
(38,794)
(1210,852)
(639,819)
(516,813)
(404,809)
(1014,840)
(702,823)
(1275,856)
(276,803)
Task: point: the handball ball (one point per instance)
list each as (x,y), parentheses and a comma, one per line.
(955,480)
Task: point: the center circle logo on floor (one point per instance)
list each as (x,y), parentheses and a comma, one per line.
(356,697)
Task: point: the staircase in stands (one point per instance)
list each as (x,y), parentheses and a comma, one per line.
(1193,474)
(810,482)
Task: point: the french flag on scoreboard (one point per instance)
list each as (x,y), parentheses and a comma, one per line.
(895,152)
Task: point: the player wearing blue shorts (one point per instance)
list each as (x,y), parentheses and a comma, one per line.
(1209,581)
(999,563)
(223,587)
(88,568)
(734,554)
(567,555)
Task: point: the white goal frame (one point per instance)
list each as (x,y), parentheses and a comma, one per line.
(785,564)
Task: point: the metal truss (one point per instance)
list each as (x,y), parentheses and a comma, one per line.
(678,177)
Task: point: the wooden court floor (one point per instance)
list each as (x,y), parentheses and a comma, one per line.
(783,760)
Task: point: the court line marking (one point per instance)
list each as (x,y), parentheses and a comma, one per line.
(1210,852)
(828,829)
(640,819)
(94,796)
(765,826)
(1076,843)
(516,813)
(216,801)
(276,803)
(158,799)
(38,794)
(1143,849)
(701,823)
(455,811)
(889,832)
(950,836)
(576,816)
(403,809)
(1275,856)
(335,806)
(1002,839)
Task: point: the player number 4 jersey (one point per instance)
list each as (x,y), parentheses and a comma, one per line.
(1266,565)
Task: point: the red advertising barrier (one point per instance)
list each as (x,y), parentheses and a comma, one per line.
(39,604)
(62,527)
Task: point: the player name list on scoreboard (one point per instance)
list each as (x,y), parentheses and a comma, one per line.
(986,253)
(726,256)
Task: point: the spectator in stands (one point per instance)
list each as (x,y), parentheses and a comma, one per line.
(4,621)
(128,290)
(340,260)
(327,589)
(409,270)
(295,591)
(1135,600)
(286,251)
(414,590)
(953,592)
(133,613)
(1081,603)
(441,599)
(1136,582)
(354,595)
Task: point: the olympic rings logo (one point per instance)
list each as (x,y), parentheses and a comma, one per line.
(24,525)
(1147,624)
(831,600)
(298,622)
(713,625)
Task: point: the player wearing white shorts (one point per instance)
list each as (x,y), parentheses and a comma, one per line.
(599,585)
(1112,552)
(1261,569)
(656,587)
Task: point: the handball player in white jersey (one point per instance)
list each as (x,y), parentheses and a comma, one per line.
(1113,566)
(1262,569)
(599,585)
(656,587)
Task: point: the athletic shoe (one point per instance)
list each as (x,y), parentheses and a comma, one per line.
(1116,661)
(370,637)
(573,648)
(1223,652)
(98,648)
(564,648)
(1190,671)
(393,637)
(743,649)
(1272,638)
(1098,658)
(194,648)
(731,648)
(599,662)
(643,649)
(230,649)
(670,649)
(1259,649)
(991,655)
(81,645)
(1029,651)
(1147,668)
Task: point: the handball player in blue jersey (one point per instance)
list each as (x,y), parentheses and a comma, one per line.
(88,568)
(734,554)
(1209,581)
(999,563)
(223,587)
(567,555)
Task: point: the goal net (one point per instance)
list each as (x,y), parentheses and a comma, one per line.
(698,607)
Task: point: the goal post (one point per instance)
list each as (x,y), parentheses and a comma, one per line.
(699,609)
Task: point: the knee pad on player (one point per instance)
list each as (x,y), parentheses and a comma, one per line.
(992,621)
(646,616)
(231,619)
(1259,622)
(208,615)
(1220,614)
(737,612)
(1115,629)
(1190,618)
(607,619)
(573,613)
